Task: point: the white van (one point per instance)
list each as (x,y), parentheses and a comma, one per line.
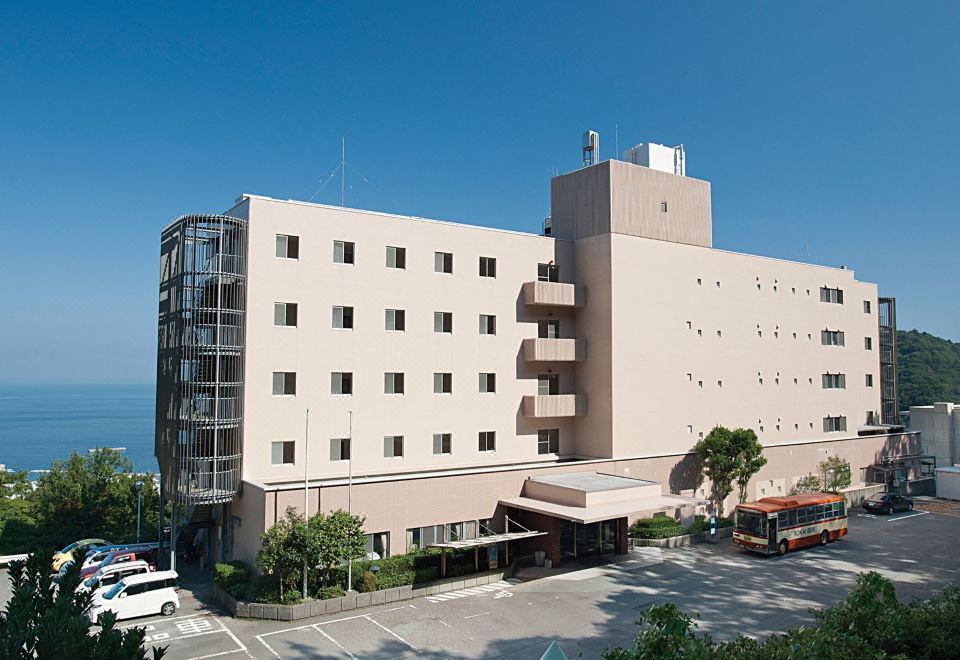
(139,595)
(108,576)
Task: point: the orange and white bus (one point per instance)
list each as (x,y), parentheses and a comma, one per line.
(780,524)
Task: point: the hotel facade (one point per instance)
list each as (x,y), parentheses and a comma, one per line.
(463,381)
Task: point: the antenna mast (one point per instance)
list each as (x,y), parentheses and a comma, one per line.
(343,166)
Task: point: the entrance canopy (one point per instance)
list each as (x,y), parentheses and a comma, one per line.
(604,511)
(482,541)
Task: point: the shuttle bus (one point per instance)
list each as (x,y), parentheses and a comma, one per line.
(780,524)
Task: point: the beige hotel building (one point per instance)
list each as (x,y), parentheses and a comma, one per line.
(457,376)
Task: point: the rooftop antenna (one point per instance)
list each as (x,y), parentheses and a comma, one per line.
(343,167)
(616,141)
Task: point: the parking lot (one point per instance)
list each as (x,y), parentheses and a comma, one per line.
(732,591)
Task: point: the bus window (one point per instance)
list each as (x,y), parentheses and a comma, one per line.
(751,523)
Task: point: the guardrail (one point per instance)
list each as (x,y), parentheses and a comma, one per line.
(5,560)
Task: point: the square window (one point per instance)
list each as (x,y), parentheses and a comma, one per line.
(288,247)
(488,324)
(282,452)
(393,446)
(443,262)
(487,440)
(341,382)
(442,444)
(548,441)
(488,383)
(396,320)
(442,383)
(285,314)
(343,252)
(342,317)
(340,449)
(284,383)
(393,383)
(548,384)
(548,329)
(488,267)
(547,273)
(396,257)
(443,322)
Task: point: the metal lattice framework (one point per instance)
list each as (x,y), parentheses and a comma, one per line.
(200,375)
(889,392)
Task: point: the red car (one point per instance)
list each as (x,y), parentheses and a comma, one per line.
(121,556)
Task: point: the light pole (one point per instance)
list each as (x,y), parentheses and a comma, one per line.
(350,494)
(306,465)
(138,484)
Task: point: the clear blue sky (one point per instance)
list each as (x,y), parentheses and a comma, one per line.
(834,125)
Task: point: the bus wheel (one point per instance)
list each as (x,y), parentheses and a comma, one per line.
(782,548)
(824,537)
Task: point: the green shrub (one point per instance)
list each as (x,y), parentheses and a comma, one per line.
(231,574)
(291,597)
(368,582)
(658,527)
(336,591)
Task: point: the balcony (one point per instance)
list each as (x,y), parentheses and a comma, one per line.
(554,294)
(555,405)
(554,350)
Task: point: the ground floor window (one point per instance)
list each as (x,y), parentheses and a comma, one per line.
(378,543)
(422,537)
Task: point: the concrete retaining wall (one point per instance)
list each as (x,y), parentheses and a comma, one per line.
(856,495)
(353,601)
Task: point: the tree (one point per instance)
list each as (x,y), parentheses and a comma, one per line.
(834,473)
(93,496)
(665,632)
(336,537)
(18,524)
(809,483)
(719,456)
(278,553)
(749,451)
(44,620)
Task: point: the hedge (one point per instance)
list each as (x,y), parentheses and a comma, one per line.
(664,527)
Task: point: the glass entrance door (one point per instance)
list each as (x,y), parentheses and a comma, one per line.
(608,537)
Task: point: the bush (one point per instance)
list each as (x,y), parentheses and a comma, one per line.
(336,591)
(368,582)
(231,574)
(658,527)
(291,597)
(702,524)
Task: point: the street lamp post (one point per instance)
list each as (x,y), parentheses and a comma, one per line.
(350,495)
(139,486)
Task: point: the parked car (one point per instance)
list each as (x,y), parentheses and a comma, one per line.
(74,551)
(120,557)
(108,576)
(887,503)
(139,595)
(97,554)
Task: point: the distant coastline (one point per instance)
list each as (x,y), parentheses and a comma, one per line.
(43,422)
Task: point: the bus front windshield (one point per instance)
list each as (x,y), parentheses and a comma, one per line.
(752,523)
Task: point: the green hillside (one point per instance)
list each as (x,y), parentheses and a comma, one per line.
(929,369)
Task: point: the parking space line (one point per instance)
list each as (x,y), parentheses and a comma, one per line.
(260,639)
(236,639)
(339,645)
(166,619)
(391,632)
(214,655)
(912,515)
(473,616)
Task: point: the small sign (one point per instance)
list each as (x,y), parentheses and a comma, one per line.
(713,524)
(492,554)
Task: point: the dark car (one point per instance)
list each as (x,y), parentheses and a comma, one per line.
(886,503)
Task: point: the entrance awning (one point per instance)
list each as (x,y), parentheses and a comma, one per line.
(604,510)
(481,541)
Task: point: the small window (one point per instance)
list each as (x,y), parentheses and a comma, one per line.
(487,440)
(284,383)
(547,273)
(281,452)
(831,337)
(488,267)
(443,262)
(393,383)
(699,281)
(288,247)
(393,446)
(441,444)
(341,382)
(663,207)
(548,328)
(488,324)
(548,384)
(343,317)
(829,295)
(866,306)
(548,441)
(488,383)
(285,314)
(834,381)
(343,252)
(869,380)
(868,343)
(340,449)
(396,257)
(396,320)
(442,383)
(443,322)
(834,424)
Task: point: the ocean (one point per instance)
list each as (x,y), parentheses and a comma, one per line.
(43,423)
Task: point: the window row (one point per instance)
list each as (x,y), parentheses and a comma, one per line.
(811,514)
(423,537)
(341,382)
(283,452)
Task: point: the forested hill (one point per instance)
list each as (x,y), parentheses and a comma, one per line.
(929,369)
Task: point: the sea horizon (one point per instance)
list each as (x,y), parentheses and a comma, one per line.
(45,421)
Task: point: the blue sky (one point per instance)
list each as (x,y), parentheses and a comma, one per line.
(829,133)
